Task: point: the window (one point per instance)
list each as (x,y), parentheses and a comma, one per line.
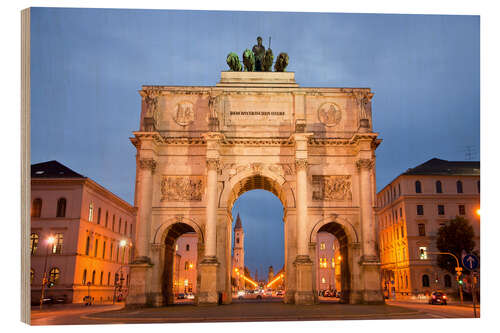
(447,281)
(84,278)
(478,187)
(113,226)
(58,244)
(91,211)
(441,225)
(420,209)
(125,230)
(460,188)
(61,207)
(32,275)
(322,246)
(401,212)
(461,209)
(237,240)
(186,265)
(117,252)
(406,281)
(425,280)
(423,252)
(131,229)
(187,247)
(109,278)
(440,209)
(99,215)
(33,243)
(402,232)
(95,249)
(399,188)
(54,274)
(93,277)
(418,187)
(439,187)
(87,246)
(100,280)
(106,220)
(421,229)
(120,225)
(36,208)
(111,252)
(104,250)
(323,280)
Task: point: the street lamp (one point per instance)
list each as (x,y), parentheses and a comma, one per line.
(50,241)
(122,243)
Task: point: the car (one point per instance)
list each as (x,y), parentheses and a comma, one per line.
(190,296)
(181,296)
(438,297)
(269,292)
(279,293)
(241,294)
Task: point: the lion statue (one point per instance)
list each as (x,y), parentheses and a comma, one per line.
(249,60)
(233,61)
(281,62)
(268,61)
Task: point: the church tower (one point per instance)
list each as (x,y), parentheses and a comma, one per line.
(239,254)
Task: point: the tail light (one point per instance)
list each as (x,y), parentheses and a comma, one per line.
(434,296)
(444,296)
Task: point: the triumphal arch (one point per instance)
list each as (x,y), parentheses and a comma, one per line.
(200,147)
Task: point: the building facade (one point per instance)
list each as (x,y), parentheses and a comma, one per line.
(185,266)
(92,231)
(325,256)
(411,209)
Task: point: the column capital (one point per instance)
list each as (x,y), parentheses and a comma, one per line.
(301,164)
(365,163)
(148,163)
(213,164)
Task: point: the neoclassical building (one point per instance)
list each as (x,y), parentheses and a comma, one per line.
(411,209)
(186,256)
(92,231)
(200,147)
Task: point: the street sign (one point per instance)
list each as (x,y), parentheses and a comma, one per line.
(470,262)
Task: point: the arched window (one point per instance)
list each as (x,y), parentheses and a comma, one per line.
(54,275)
(460,188)
(186,265)
(58,244)
(61,207)
(439,187)
(447,281)
(237,240)
(91,211)
(87,246)
(418,187)
(33,243)
(109,278)
(93,277)
(187,247)
(32,275)
(36,208)
(100,280)
(84,277)
(425,280)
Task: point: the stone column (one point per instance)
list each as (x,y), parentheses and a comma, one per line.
(211,211)
(301,167)
(367,219)
(145,193)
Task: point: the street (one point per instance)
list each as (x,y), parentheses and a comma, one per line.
(245,310)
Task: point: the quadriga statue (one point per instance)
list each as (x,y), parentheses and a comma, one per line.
(281,62)
(268,61)
(233,61)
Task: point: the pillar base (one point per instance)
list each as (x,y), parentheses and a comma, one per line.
(208,294)
(304,294)
(140,275)
(372,292)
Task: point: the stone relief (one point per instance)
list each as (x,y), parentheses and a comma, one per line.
(182,188)
(184,113)
(331,188)
(364,102)
(151,120)
(329,114)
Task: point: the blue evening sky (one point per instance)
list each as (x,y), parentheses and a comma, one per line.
(88,64)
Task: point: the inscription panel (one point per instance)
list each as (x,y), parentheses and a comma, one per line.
(255,110)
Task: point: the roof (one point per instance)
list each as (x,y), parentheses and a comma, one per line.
(53,169)
(437,166)
(237,225)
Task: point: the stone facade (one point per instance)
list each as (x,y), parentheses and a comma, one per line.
(200,148)
(409,216)
(88,223)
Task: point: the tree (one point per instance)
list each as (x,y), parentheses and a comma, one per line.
(455,236)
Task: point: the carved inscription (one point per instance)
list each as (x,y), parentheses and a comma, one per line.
(331,188)
(182,188)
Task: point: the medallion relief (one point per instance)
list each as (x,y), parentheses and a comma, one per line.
(331,188)
(184,113)
(182,188)
(329,114)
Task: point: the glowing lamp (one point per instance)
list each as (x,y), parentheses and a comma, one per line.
(123,242)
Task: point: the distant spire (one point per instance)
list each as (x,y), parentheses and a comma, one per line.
(237,225)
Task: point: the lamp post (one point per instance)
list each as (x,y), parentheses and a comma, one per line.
(50,241)
(458,270)
(123,243)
